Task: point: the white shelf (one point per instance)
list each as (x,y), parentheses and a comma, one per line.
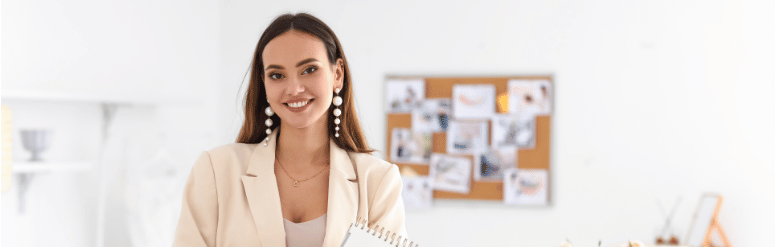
(31,167)
(145,99)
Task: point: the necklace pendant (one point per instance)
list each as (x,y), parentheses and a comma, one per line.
(295,183)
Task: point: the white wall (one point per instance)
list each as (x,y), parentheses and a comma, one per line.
(654,100)
(128,47)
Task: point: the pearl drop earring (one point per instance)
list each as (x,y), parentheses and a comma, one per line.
(337,102)
(268,122)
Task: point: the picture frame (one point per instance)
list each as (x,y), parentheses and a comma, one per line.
(705,221)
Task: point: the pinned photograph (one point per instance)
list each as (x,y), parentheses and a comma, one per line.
(512,131)
(525,187)
(545,104)
(450,173)
(403,96)
(417,192)
(432,116)
(490,165)
(524,98)
(410,147)
(467,137)
(473,101)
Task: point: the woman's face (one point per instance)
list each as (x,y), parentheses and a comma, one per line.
(297,71)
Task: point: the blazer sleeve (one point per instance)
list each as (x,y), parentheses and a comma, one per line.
(387,207)
(199,214)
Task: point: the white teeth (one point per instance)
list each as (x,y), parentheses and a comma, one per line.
(298,104)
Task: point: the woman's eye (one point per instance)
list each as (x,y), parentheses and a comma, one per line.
(275,76)
(310,70)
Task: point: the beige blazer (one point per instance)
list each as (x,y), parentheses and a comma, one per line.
(231,197)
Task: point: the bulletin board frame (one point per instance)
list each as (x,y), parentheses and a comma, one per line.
(441,87)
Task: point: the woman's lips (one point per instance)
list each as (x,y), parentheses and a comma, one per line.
(298,109)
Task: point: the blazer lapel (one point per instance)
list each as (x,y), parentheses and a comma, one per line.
(263,196)
(342,196)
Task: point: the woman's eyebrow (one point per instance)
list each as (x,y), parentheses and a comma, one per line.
(305,61)
(297,65)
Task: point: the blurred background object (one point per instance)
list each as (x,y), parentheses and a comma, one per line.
(36,141)
(706,230)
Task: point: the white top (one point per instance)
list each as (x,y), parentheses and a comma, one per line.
(305,234)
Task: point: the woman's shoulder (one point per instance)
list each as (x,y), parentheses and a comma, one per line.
(232,149)
(231,156)
(379,179)
(370,162)
(371,167)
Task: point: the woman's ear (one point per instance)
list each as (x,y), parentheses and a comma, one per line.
(339,73)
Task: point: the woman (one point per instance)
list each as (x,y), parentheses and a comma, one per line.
(300,172)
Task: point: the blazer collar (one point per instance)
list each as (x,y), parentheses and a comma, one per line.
(264,198)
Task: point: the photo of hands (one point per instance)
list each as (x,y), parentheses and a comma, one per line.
(410,147)
(450,173)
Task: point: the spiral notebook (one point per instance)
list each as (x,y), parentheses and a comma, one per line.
(360,235)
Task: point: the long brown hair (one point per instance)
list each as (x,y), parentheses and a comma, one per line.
(351,136)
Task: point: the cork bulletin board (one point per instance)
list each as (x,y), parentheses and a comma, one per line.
(442,87)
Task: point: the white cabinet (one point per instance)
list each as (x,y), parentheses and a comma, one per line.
(80,153)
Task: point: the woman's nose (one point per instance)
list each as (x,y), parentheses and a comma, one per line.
(295,88)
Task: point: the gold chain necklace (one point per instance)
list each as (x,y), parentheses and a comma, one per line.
(296,181)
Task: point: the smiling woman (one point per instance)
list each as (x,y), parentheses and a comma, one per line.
(291,50)
(325,176)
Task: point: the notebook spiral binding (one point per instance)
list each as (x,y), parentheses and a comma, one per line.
(376,229)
